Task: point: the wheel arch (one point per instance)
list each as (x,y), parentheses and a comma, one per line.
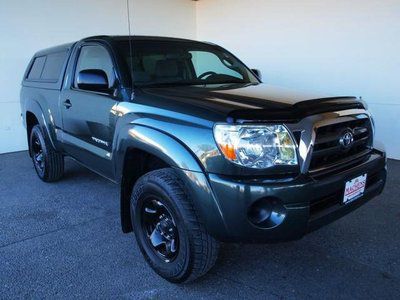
(31,121)
(34,115)
(141,149)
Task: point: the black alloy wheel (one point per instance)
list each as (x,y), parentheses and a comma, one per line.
(37,153)
(160,228)
(48,163)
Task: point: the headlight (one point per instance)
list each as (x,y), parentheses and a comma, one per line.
(256,146)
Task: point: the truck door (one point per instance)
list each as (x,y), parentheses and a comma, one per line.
(88,119)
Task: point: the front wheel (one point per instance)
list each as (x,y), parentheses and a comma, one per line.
(170,235)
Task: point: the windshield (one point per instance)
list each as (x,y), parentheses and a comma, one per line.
(161,63)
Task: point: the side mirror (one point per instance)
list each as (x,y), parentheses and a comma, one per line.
(257,72)
(93,80)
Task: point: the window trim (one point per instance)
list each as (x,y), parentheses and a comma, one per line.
(75,64)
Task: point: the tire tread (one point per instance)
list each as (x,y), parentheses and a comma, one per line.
(205,247)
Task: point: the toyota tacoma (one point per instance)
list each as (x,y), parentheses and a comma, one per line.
(202,150)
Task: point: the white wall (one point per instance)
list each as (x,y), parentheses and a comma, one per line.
(28,26)
(338,47)
(173,18)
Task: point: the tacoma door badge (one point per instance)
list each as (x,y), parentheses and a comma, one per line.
(99,141)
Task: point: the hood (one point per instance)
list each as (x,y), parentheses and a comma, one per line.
(236,103)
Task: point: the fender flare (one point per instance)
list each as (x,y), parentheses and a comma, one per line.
(155,142)
(44,120)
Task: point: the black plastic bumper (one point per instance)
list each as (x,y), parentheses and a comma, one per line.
(307,203)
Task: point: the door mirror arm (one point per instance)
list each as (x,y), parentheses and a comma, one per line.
(257,72)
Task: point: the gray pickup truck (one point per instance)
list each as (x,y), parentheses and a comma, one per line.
(203,151)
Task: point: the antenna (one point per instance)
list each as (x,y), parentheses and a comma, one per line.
(130,48)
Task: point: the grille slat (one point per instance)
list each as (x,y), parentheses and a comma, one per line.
(327,150)
(358,132)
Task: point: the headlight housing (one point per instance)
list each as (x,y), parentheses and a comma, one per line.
(256,146)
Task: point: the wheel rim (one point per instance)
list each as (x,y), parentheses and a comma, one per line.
(38,155)
(159,228)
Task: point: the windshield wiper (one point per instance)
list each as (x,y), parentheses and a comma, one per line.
(164,84)
(190,83)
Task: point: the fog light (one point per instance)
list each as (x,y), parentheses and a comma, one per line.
(266,212)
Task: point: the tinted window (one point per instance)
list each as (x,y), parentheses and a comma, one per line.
(204,62)
(53,66)
(37,67)
(183,63)
(95,57)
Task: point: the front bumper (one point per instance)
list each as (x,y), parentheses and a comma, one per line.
(307,203)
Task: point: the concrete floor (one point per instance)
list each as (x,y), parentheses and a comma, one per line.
(64,240)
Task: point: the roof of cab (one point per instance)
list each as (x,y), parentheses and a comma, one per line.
(59,48)
(114,38)
(137,38)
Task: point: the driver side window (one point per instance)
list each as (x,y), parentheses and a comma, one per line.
(208,62)
(95,57)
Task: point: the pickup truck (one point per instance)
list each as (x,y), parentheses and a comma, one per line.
(203,151)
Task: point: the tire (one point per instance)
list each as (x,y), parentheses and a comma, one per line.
(160,203)
(48,163)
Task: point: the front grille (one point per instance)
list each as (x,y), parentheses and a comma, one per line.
(328,152)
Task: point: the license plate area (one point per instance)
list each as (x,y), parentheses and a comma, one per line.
(354,188)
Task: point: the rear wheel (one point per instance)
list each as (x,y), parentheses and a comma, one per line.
(169,233)
(48,163)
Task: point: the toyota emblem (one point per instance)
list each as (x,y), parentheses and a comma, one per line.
(346,139)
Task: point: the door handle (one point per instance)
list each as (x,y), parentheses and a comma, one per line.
(67,104)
